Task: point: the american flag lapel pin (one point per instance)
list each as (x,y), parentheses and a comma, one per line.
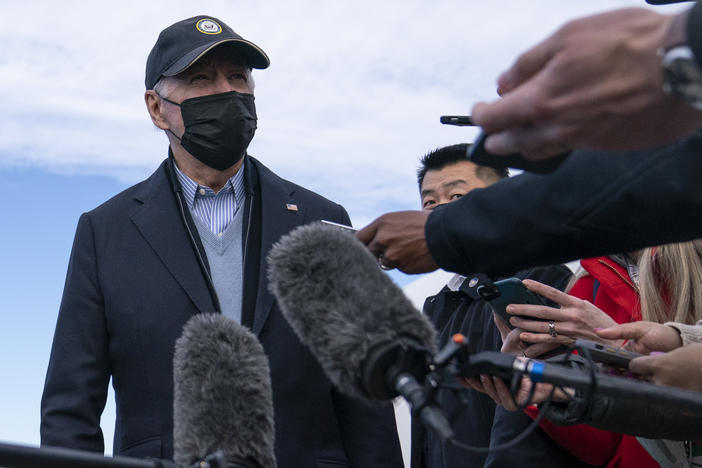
(291,207)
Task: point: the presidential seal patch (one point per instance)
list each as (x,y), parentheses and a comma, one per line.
(208,26)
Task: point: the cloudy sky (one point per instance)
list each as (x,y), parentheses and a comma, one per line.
(351,100)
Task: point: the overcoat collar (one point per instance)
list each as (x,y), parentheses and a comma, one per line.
(160,222)
(280,213)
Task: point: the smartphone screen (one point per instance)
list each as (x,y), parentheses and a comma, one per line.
(505,292)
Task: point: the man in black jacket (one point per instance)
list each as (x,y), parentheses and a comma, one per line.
(445,176)
(193,238)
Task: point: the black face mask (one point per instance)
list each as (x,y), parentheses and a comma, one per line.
(218,127)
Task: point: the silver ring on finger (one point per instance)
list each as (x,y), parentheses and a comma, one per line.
(552,328)
(382,265)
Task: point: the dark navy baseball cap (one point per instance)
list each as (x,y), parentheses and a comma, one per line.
(183,43)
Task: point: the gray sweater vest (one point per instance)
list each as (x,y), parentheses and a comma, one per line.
(224,255)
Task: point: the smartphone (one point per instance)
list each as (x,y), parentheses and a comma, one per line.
(479,155)
(459,120)
(508,291)
(340,226)
(606,354)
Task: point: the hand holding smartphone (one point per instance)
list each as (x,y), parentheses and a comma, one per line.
(479,155)
(508,291)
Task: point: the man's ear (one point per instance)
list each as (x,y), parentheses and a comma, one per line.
(153,105)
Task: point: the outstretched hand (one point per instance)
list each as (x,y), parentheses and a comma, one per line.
(680,368)
(595,83)
(644,337)
(397,240)
(497,389)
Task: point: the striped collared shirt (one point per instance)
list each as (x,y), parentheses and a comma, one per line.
(215,210)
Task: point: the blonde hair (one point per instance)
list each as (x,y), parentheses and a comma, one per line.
(670,282)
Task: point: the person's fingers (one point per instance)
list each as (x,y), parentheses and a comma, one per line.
(533,143)
(497,116)
(385,260)
(410,261)
(537,349)
(538,311)
(502,143)
(540,326)
(395,256)
(542,138)
(502,327)
(489,388)
(472,382)
(546,338)
(643,365)
(398,238)
(626,331)
(512,344)
(567,327)
(533,326)
(504,394)
(551,293)
(526,66)
(635,346)
(367,234)
(644,336)
(560,394)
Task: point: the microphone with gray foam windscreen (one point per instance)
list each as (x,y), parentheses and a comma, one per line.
(222,395)
(371,342)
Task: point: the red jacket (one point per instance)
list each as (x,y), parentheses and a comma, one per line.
(615,294)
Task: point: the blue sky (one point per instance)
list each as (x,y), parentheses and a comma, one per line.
(351,100)
(41,210)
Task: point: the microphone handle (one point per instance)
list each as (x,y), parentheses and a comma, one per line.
(416,396)
(505,365)
(648,394)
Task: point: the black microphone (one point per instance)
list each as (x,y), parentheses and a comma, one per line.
(222,398)
(369,339)
(23,456)
(564,373)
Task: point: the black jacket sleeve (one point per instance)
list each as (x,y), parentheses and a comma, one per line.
(595,203)
(77,378)
(694,31)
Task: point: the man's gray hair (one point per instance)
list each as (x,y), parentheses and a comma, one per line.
(164,84)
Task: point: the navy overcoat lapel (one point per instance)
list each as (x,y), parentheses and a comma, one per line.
(160,222)
(280,213)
